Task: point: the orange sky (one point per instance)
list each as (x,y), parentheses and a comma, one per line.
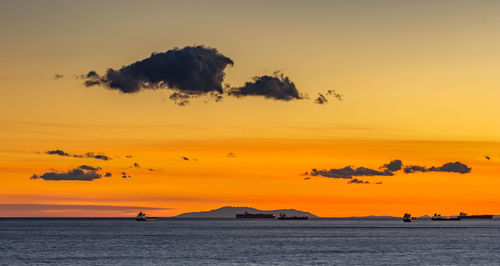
(419,82)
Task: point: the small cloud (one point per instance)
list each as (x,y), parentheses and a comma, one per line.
(185,158)
(456,167)
(82,173)
(414,168)
(357,181)
(321,99)
(180,98)
(348,172)
(86,155)
(487,157)
(128,156)
(124,175)
(379,183)
(276,87)
(231,155)
(97,156)
(86,167)
(108,174)
(307,178)
(58,76)
(57,152)
(334,93)
(136,165)
(393,166)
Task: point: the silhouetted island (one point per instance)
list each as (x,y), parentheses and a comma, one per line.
(230,212)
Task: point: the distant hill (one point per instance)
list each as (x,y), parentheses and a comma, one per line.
(230,212)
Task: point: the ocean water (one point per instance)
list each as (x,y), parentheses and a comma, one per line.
(231,241)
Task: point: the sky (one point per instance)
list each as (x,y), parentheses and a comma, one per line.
(416,81)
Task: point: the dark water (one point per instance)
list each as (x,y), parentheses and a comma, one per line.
(195,242)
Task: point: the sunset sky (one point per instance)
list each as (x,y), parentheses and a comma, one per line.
(419,83)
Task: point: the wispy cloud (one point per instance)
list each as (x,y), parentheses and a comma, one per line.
(86,155)
(53,207)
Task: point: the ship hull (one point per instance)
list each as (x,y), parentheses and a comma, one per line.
(484,216)
(146,219)
(293,218)
(446,219)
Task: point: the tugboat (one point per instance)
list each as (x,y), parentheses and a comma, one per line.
(284,217)
(464,215)
(438,217)
(254,215)
(407,218)
(142,217)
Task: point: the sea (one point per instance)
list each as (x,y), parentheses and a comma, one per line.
(37,241)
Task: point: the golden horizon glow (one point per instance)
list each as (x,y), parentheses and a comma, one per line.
(419,81)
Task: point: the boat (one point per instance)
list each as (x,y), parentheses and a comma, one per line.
(407,218)
(141,216)
(438,217)
(254,215)
(464,215)
(285,217)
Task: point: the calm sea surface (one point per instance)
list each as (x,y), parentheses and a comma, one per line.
(208,242)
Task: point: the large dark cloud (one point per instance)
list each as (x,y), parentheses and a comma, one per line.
(349,172)
(192,69)
(86,155)
(456,167)
(276,87)
(81,173)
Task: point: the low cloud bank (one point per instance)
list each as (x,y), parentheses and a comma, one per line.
(388,169)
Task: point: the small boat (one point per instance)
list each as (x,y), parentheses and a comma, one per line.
(285,217)
(464,215)
(254,215)
(141,217)
(438,217)
(407,218)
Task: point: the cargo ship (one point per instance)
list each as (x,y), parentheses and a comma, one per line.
(254,215)
(284,217)
(438,217)
(407,218)
(464,215)
(143,217)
